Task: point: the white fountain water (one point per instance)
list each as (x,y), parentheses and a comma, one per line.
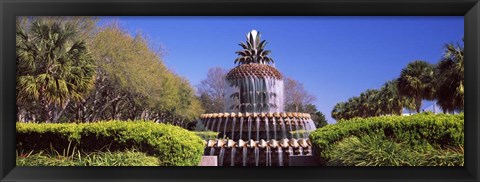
(225,128)
(268,157)
(220,156)
(232,157)
(296,127)
(284,130)
(213,124)
(290,125)
(302,122)
(254,92)
(257,155)
(241,127)
(274,123)
(249,127)
(208,122)
(267,128)
(233,127)
(258,128)
(219,124)
(245,150)
(212,151)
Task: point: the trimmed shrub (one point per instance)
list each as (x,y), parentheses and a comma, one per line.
(172,145)
(444,131)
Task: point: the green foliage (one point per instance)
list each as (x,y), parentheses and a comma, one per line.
(172,145)
(379,151)
(54,66)
(136,82)
(71,69)
(78,158)
(317,116)
(207,135)
(417,81)
(372,102)
(444,131)
(450,79)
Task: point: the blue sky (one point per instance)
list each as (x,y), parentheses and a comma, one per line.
(334,57)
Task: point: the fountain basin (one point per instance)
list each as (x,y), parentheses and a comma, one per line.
(258,153)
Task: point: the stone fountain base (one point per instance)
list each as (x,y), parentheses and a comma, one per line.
(262,153)
(258,139)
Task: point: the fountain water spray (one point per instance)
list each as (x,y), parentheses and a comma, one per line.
(212,151)
(255,93)
(225,128)
(245,152)
(220,156)
(232,157)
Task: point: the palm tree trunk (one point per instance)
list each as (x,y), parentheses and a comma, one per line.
(418,103)
(58,113)
(45,113)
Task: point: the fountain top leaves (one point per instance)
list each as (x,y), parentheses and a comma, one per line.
(253,60)
(253,50)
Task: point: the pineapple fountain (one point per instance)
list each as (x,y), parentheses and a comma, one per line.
(254,129)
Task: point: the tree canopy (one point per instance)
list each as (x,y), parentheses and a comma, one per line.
(96,73)
(418,81)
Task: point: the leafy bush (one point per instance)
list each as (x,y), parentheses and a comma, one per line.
(77,158)
(380,151)
(444,131)
(172,145)
(206,135)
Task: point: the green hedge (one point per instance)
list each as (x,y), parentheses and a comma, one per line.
(172,145)
(440,130)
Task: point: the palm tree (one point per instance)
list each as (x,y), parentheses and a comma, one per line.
(54,67)
(371,103)
(253,50)
(352,109)
(450,79)
(390,100)
(338,111)
(417,81)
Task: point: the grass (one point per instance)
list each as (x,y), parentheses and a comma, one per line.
(380,151)
(76,157)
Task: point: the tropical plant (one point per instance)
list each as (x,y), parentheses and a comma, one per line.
(450,79)
(418,82)
(338,111)
(377,150)
(253,50)
(131,157)
(391,102)
(54,67)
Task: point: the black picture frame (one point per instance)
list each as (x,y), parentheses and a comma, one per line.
(9,9)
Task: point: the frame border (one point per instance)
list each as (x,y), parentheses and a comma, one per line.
(9,9)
